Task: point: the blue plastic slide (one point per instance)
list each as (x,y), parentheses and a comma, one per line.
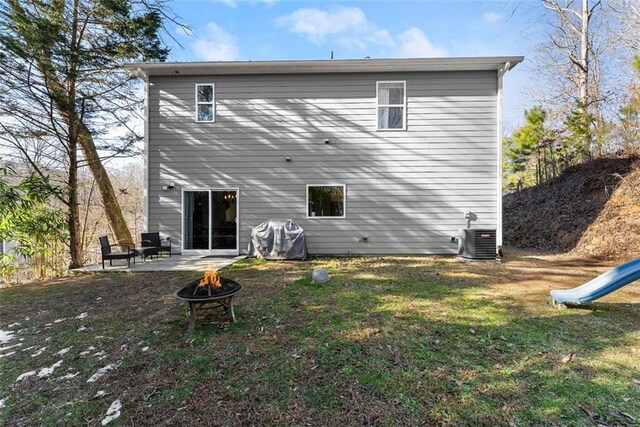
(602,285)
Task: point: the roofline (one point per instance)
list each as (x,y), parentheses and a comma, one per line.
(144,69)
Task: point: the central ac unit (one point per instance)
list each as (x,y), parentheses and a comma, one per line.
(476,243)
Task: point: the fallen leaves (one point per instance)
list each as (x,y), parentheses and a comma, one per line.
(397,355)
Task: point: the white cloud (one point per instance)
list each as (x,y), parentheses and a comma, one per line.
(183,31)
(230,3)
(364,40)
(414,43)
(215,44)
(315,24)
(349,27)
(492,17)
(234,3)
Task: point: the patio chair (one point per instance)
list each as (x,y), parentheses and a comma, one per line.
(152,244)
(108,254)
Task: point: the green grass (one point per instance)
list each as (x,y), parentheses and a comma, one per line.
(386,341)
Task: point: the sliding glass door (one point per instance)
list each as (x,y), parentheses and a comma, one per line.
(196,220)
(210,221)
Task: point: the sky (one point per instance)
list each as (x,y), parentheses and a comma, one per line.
(225,30)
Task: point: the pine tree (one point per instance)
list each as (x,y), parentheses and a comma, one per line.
(525,147)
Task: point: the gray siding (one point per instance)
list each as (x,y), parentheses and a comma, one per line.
(406,190)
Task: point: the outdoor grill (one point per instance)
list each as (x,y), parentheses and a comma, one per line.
(211,291)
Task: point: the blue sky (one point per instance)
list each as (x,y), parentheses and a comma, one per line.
(289,29)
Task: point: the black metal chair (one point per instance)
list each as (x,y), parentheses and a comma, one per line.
(151,244)
(108,254)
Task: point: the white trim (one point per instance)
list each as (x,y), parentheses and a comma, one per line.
(145,164)
(322,66)
(212,103)
(404,105)
(210,251)
(344,201)
(501,72)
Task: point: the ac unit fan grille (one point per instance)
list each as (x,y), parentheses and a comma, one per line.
(478,243)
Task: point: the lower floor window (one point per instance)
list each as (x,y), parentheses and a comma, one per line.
(326,201)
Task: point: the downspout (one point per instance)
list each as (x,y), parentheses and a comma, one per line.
(501,72)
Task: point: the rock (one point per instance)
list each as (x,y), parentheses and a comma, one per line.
(320,275)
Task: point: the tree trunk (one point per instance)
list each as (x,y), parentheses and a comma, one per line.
(75,245)
(109,200)
(583,71)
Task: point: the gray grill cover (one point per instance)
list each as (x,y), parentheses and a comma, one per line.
(278,239)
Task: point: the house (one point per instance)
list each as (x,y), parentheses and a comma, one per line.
(369,156)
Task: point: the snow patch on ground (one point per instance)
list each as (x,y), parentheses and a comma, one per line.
(113,412)
(13,325)
(98,299)
(145,348)
(6,336)
(82,328)
(82,315)
(39,352)
(59,320)
(99,394)
(68,376)
(3,402)
(63,351)
(87,351)
(10,346)
(102,372)
(25,375)
(45,372)
(7,354)
(99,353)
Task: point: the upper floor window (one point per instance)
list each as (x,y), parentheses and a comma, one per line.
(205,103)
(391,109)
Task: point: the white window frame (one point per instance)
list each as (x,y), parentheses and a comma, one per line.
(212,103)
(403,105)
(344,201)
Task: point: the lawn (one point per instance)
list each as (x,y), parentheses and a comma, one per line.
(388,341)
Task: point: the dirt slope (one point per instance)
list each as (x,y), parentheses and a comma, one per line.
(592,209)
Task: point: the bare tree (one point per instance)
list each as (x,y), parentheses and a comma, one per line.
(62,87)
(572,38)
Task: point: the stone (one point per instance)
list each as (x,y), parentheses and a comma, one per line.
(320,275)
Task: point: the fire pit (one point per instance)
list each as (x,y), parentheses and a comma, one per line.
(210,290)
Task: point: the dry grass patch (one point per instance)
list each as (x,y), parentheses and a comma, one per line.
(388,341)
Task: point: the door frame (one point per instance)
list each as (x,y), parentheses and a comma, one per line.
(209,251)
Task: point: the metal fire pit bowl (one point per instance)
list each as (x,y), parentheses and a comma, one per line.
(197,298)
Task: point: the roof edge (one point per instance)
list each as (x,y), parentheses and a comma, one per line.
(479,63)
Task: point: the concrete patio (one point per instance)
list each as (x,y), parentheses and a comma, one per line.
(173,263)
